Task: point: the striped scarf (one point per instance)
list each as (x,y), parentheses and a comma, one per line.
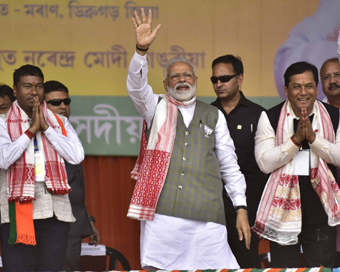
(21,176)
(279,213)
(154,157)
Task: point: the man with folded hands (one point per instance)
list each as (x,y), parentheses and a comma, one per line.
(298,142)
(35,207)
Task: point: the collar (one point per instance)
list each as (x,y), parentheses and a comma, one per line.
(242,102)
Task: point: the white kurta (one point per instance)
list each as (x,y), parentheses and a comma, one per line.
(44,205)
(270,157)
(175,243)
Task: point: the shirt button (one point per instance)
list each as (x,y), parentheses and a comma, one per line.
(180,187)
(187,133)
(182,174)
(186,144)
(184,158)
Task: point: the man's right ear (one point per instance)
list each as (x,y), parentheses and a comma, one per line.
(286,90)
(15,90)
(165,84)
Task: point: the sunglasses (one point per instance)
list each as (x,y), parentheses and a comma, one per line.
(57,102)
(223,79)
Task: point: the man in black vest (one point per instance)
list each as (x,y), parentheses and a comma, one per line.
(298,142)
(242,117)
(58,101)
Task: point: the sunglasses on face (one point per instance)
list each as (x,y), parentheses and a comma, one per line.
(223,79)
(57,102)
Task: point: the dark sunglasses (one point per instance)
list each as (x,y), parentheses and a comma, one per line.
(57,102)
(223,79)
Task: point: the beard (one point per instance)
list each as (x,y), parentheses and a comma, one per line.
(182,95)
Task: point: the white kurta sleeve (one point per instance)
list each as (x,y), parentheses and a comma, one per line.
(11,151)
(269,156)
(70,147)
(138,88)
(329,152)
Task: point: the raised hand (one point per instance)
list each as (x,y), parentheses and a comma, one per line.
(144,33)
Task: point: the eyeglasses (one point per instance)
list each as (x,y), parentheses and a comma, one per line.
(223,79)
(57,102)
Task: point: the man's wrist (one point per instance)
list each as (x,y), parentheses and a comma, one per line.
(312,138)
(45,127)
(141,51)
(92,219)
(141,48)
(29,134)
(295,141)
(32,130)
(241,207)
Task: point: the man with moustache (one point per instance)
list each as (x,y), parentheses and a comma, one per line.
(58,101)
(330,80)
(242,117)
(35,207)
(185,151)
(298,142)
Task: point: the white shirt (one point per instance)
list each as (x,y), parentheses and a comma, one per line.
(193,244)
(70,147)
(270,157)
(45,204)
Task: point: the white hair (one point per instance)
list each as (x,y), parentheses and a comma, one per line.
(173,60)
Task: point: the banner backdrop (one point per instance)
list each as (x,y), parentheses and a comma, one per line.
(87,45)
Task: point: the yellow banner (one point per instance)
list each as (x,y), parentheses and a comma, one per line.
(87,45)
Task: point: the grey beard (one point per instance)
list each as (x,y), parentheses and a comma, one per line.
(182,95)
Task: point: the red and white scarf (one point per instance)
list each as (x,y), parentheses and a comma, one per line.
(279,213)
(154,157)
(21,176)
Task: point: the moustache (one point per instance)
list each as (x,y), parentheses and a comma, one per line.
(332,85)
(184,84)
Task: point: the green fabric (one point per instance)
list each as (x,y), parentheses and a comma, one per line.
(193,186)
(12,224)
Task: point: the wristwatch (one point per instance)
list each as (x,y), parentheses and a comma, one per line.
(92,219)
